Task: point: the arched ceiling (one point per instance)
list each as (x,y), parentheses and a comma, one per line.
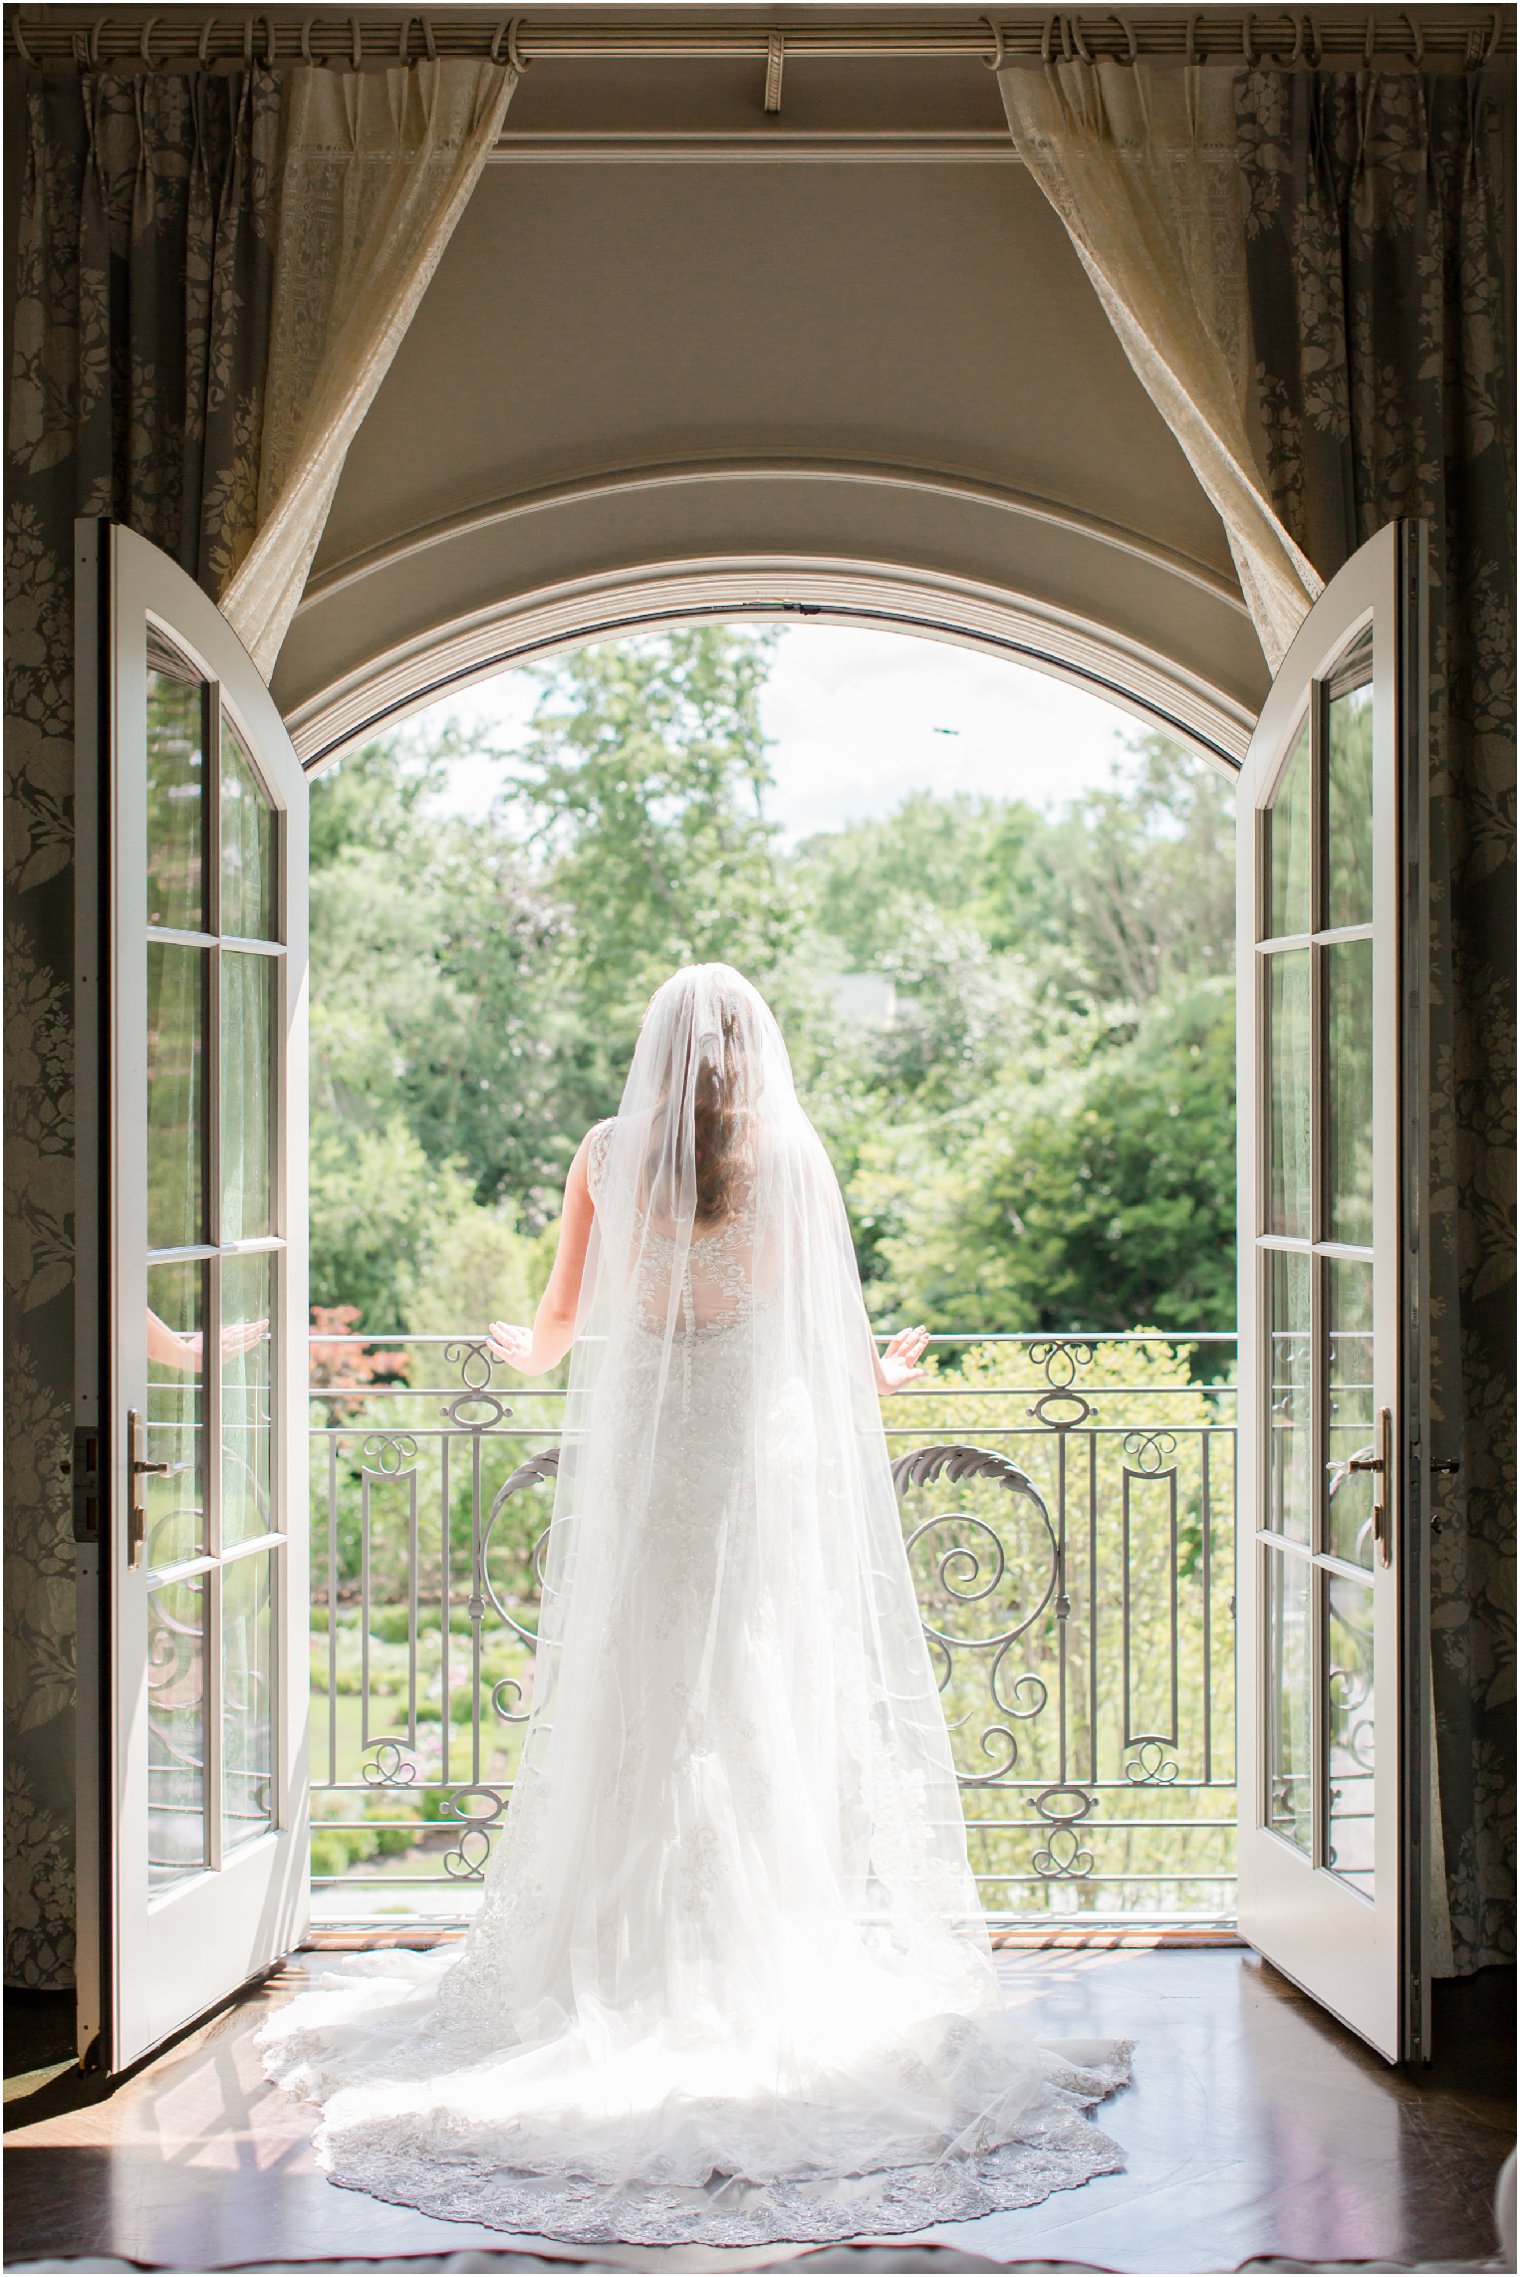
(633,375)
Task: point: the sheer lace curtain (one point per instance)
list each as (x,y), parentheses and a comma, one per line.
(376,169)
(1140,163)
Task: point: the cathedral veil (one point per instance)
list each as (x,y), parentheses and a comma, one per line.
(730,1980)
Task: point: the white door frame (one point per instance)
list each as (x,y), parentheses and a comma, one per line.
(146,1967)
(1364,1961)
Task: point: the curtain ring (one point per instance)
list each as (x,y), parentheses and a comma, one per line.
(1416,39)
(432,44)
(22,49)
(1248,39)
(515,56)
(1369,44)
(356,40)
(1296,24)
(81,51)
(1045,39)
(204,43)
(248,43)
(305,38)
(996,60)
(1192,40)
(496,39)
(1128,29)
(271,43)
(144,50)
(1082,47)
(404,41)
(1493,37)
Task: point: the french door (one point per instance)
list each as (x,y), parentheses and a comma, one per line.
(189,1469)
(1331,1586)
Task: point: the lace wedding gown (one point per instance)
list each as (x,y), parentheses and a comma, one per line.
(729,1982)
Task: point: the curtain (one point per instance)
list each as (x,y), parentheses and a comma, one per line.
(1379,284)
(1140,163)
(377,169)
(145,277)
(214,271)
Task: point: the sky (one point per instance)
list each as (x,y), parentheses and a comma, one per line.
(860,718)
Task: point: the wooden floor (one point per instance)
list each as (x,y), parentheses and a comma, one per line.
(1254,2126)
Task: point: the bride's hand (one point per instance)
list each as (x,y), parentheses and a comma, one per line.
(898,1363)
(512,1346)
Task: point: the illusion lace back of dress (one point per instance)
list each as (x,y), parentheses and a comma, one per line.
(729,1981)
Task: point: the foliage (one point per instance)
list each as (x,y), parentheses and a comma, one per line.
(1041,1134)
(1096,1193)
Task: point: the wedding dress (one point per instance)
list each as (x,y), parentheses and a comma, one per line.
(729,1982)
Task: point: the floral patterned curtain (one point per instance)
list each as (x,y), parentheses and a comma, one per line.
(1377,272)
(146,260)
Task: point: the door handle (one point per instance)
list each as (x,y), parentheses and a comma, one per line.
(139,1468)
(1381,1465)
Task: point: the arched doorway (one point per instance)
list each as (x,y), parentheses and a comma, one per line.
(1036,1763)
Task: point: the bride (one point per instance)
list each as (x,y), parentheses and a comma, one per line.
(729,1982)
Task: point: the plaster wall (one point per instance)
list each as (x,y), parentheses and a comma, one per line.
(622,366)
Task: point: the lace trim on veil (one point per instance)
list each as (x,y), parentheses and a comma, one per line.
(408,2160)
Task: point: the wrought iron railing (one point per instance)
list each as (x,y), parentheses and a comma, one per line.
(1069,1515)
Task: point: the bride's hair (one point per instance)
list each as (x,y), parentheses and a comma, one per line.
(709,1015)
(720,1121)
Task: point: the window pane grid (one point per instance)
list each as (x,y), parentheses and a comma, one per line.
(1314,1204)
(213,854)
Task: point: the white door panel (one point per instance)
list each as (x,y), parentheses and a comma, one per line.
(1331,1564)
(190,1473)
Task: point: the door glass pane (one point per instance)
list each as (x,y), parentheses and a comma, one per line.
(247,1094)
(176,1730)
(247,1699)
(1288,845)
(1349,1423)
(176,1127)
(247,1413)
(1348,835)
(1289,1346)
(1350,1832)
(1290,1783)
(1288,1074)
(176,801)
(1348,989)
(176,1417)
(247,819)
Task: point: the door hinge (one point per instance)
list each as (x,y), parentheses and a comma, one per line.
(85,1473)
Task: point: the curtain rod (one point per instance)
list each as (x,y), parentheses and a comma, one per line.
(285,35)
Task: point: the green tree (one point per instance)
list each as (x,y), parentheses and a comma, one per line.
(1141,882)
(431,949)
(1094,1196)
(642,787)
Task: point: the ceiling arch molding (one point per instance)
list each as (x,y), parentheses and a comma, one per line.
(394,683)
(400,615)
(921,483)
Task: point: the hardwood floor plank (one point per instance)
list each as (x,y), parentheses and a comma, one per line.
(1255,2125)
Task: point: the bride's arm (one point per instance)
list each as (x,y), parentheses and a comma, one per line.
(532,1352)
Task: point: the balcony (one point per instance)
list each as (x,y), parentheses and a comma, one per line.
(1069,1512)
